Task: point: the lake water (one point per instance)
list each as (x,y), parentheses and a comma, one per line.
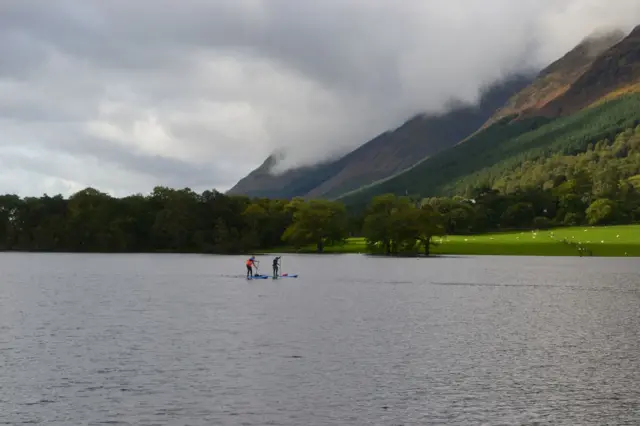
(356,340)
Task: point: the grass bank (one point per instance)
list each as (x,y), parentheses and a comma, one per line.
(584,240)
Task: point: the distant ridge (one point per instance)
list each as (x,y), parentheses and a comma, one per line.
(384,155)
(613,73)
(557,78)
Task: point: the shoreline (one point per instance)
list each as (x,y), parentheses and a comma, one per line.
(581,241)
(626,251)
(611,251)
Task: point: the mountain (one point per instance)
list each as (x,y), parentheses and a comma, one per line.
(555,80)
(616,71)
(262,183)
(602,100)
(388,153)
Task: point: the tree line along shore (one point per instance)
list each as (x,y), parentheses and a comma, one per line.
(550,205)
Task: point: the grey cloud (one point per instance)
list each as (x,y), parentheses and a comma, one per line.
(134,173)
(196,93)
(73,160)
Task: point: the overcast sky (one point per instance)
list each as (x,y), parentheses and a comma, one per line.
(123,95)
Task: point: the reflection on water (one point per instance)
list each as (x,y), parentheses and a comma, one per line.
(185,340)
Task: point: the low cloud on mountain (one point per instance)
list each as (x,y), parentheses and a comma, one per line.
(125,95)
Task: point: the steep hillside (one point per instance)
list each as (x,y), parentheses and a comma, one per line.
(614,72)
(384,155)
(502,147)
(556,79)
(599,103)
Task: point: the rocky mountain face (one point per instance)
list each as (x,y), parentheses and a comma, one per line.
(556,79)
(616,71)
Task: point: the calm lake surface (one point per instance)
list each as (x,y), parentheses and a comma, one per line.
(356,340)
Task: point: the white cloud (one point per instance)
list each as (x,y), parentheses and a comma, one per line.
(125,95)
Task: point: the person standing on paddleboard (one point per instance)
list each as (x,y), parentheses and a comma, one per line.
(276,265)
(251,262)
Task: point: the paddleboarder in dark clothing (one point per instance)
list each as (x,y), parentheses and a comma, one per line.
(276,265)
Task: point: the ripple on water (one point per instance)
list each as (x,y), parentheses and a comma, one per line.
(185,340)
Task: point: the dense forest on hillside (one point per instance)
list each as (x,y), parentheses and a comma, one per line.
(596,187)
(501,148)
(609,163)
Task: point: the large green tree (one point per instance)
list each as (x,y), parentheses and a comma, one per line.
(318,222)
(395,225)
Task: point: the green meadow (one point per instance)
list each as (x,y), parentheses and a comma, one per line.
(588,241)
(575,241)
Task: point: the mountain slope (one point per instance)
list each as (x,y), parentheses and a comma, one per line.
(503,147)
(384,155)
(614,72)
(556,79)
(600,102)
(262,183)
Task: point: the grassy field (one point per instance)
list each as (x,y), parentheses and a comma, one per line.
(588,241)
(594,241)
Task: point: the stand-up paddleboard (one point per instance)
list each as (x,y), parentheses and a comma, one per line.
(264,277)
